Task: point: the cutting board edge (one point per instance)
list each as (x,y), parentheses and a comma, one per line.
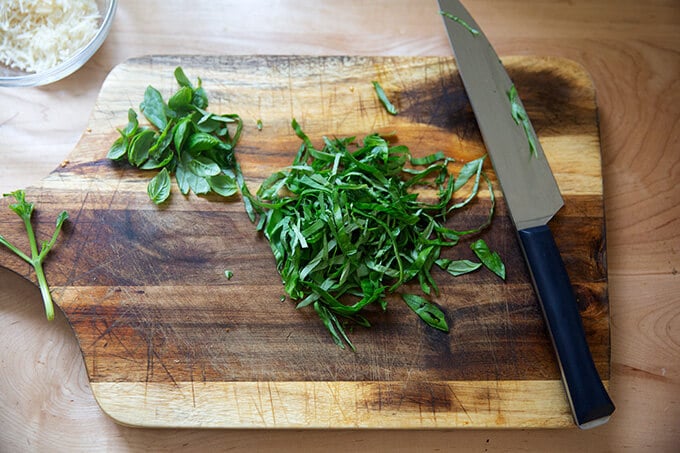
(331,405)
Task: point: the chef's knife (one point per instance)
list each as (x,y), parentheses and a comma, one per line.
(533,198)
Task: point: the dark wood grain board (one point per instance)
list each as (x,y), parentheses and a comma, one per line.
(169,341)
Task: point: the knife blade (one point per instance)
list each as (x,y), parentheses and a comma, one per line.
(533,198)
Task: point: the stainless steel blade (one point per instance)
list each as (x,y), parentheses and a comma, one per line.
(528,184)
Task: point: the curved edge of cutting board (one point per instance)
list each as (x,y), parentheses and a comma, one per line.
(319,404)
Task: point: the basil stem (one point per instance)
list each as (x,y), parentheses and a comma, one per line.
(24,210)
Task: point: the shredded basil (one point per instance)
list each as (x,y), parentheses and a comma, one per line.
(520,116)
(347,227)
(460,21)
(391,109)
(491,260)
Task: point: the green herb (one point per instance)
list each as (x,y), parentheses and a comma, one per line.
(458,267)
(428,312)
(159,187)
(24,210)
(490,259)
(391,109)
(460,21)
(228,274)
(259,125)
(347,228)
(520,116)
(184,139)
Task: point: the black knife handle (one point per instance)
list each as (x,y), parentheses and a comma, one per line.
(590,403)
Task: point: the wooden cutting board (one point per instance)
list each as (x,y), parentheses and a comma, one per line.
(168,341)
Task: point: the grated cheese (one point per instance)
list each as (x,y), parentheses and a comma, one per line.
(36,35)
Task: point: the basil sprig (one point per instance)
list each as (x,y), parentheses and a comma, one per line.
(183,139)
(37,255)
(347,227)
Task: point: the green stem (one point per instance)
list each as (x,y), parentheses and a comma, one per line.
(14,249)
(44,289)
(36,262)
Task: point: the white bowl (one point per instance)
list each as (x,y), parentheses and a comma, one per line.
(12,77)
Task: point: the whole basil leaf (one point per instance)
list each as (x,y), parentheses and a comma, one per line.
(199,185)
(223,185)
(204,166)
(181,132)
(154,108)
(458,267)
(182,174)
(201,141)
(118,148)
(200,98)
(182,79)
(132,125)
(159,187)
(180,102)
(138,151)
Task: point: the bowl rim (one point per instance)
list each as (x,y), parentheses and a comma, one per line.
(73,63)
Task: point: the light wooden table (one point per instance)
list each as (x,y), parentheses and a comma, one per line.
(631,50)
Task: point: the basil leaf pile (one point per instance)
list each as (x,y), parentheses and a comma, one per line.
(346,226)
(183,139)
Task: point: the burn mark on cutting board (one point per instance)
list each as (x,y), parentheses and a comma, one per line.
(425,397)
(551,100)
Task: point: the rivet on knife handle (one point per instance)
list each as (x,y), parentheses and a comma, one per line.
(532,197)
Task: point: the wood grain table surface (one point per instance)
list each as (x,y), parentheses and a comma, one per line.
(630,48)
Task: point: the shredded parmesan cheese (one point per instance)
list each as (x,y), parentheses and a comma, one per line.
(36,35)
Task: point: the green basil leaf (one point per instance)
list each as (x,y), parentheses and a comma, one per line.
(428,312)
(223,185)
(118,149)
(470,169)
(182,174)
(204,166)
(159,187)
(429,159)
(490,259)
(180,102)
(200,98)
(182,79)
(201,141)
(132,125)
(154,108)
(458,267)
(520,116)
(181,132)
(199,185)
(140,145)
(154,162)
(391,109)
